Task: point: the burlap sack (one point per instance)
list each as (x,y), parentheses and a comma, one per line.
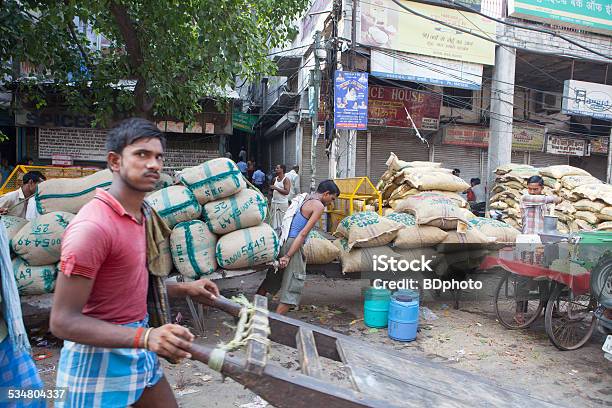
(507,168)
(552,183)
(247,247)
(402,176)
(513,222)
(34,280)
(566,218)
(175,204)
(587,216)
(435,211)
(193,249)
(588,205)
(571,182)
(214,179)
(605,226)
(569,195)
(560,171)
(388,190)
(437,181)
(490,228)
(456,198)
(519,175)
(470,240)
(605,214)
(499,205)
(387,211)
(415,236)
(581,225)
(367,229)
(512,203)
(594,192)
(562,227)
(247,208)
(403,192)
(319,250)
(394,164)
(39,241)
(13,224)
(165,180)
(565,207)
(70,194)
(514,213)
(360,259)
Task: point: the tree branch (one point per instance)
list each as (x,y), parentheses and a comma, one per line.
(72,32)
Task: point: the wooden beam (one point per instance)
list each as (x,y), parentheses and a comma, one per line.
(257,349)
(307,352)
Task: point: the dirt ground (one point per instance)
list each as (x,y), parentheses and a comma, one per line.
(469,339)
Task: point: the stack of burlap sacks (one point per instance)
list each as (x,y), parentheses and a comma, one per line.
(427,218)
(586,205)
(216,221)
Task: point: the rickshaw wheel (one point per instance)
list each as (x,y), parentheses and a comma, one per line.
(569,320)
(508,303)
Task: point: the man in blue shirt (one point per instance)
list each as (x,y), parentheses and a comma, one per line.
(242,166)
(259,178)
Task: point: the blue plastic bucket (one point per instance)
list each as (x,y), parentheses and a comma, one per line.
(404,315)
(376,307)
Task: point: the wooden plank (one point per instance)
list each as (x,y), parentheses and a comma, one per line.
(400,377)
(257,351)
(307,352)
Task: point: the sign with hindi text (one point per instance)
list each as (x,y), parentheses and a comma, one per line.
(566,146)
(524,137)
(390,106)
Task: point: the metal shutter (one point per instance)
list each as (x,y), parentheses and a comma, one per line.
(361,159)
(277,150)
(322,161)
(290,159)
(597,165)
(402,142)
(540,159)
(466,159)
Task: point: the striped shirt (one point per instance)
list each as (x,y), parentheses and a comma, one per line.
(533,209)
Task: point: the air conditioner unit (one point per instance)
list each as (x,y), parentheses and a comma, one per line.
(548,101)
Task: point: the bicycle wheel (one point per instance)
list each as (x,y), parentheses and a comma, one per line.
(569,320)
(515,296)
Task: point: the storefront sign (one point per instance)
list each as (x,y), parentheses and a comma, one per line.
(386,25)
(351,100)
(50,118)
(566,146)
(61,160)
(524,137)
(473,4)
(600,145)
(587,99)
(590,15)
(390,106)
(426,70)
(244,121)
(77,143)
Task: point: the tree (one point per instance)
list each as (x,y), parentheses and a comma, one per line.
(163,56)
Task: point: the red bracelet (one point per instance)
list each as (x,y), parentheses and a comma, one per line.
(137,336)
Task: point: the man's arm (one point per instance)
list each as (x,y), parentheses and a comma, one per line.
(202,291)
(301,238)
(531,199)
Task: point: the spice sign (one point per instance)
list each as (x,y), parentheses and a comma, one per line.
(390,106)
(587,99)
(566,146)
(524,137)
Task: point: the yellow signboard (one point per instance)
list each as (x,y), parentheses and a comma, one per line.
(386,25)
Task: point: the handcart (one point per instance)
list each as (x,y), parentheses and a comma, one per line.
(527,289)
(379,377)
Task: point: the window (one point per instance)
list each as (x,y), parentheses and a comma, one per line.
(457,98)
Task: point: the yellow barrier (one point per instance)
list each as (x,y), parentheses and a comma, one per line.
(15,179)
(355,193)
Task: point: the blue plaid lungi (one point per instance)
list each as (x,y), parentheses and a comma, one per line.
(106,377)
(17,371)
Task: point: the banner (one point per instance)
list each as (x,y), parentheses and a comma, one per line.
(473,4)
(600,145)
(566,146)
(587,99)
(351,100)
(244,121)
(524,137)
(426,70)
(388,106)
(386,25)
(590,15)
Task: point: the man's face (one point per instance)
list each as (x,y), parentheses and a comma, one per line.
(140,164)
(535,188)
(30,188)
(278,170)
(328,198)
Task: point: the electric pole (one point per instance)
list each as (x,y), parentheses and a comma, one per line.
(315,86)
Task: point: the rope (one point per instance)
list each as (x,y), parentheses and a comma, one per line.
(248,320)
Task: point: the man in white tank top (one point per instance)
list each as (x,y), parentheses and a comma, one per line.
(280,187)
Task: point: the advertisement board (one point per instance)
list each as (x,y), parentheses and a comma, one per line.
(600,145)
(351,100)
(587,99)
(386,25)
(590,15)
(566,146)
(388,106)
(426,70)
(524,137)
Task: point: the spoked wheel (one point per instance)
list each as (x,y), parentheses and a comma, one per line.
(569,319)
(519,300)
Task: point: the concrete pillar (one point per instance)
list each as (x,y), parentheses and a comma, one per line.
(346,153)
(502,98)
(609,173)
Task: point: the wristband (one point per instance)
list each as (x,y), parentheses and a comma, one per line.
(137,337)
(146,338)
